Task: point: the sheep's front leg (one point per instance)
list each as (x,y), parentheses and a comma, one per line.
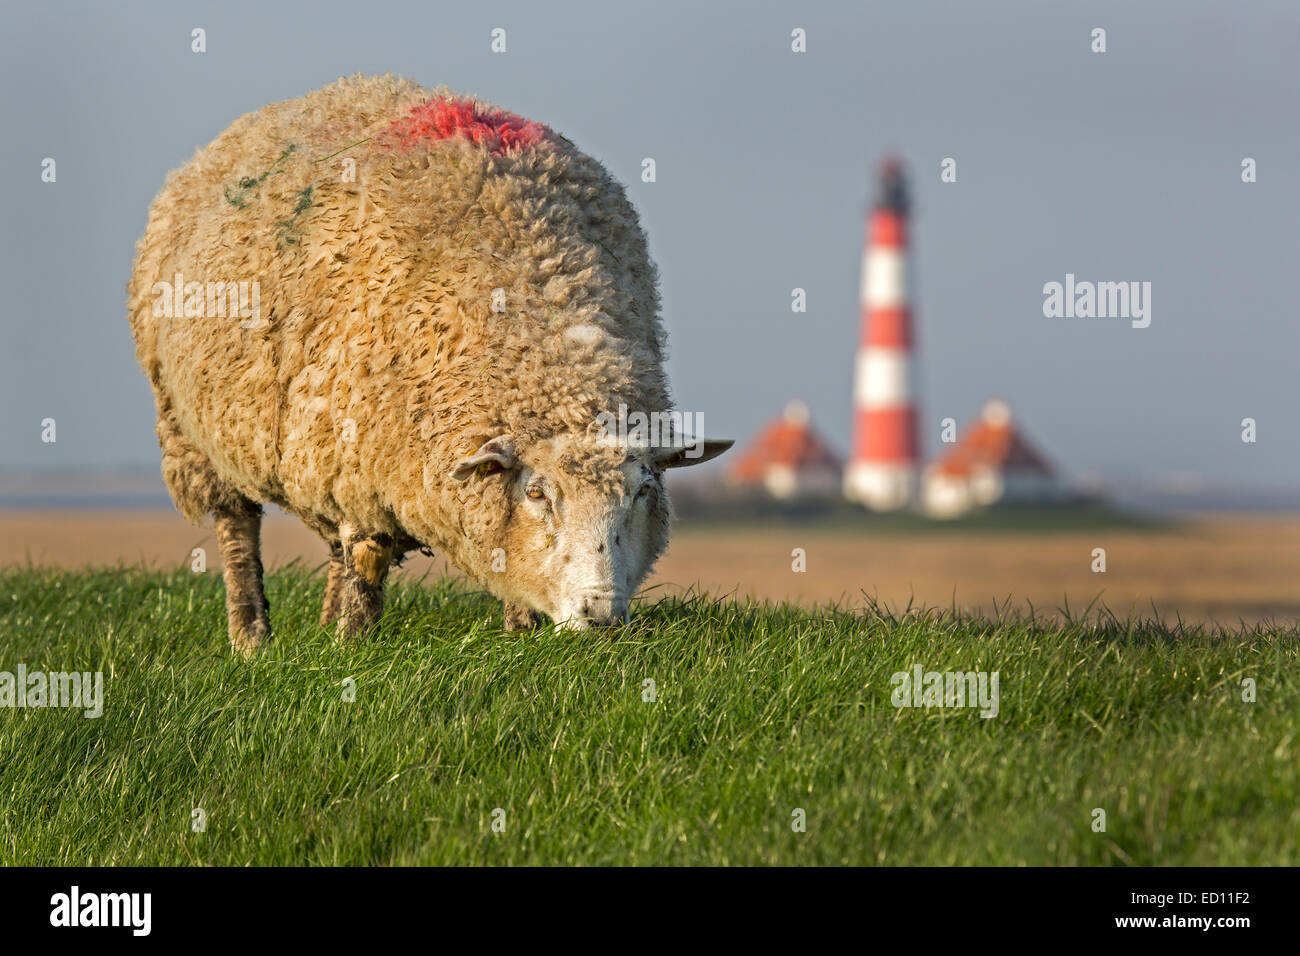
(333,604)
(366,559)
(239,529)
(520,618)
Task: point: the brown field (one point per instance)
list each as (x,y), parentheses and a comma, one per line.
(1221,569)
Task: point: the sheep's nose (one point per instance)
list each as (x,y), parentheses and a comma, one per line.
(603,610)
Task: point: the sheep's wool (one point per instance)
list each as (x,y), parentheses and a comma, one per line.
(344,294)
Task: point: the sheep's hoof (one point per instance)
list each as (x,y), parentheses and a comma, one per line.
(350,630)
(245,640)
(521,618)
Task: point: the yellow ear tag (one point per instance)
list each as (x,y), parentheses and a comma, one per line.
(487,468)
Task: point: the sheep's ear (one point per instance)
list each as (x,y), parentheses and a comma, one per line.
(698,452)
(492,456)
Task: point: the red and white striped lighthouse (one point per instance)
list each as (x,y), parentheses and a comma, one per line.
(882,472)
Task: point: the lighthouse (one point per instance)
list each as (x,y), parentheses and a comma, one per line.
(882,472)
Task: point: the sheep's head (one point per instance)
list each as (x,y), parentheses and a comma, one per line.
(580,523)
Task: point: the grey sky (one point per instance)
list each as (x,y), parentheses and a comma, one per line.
(1118,166)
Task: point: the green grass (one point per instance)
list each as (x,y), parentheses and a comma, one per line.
(760,710)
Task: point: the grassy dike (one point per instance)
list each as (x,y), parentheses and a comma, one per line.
(758,711)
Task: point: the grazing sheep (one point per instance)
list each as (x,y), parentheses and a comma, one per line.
(399,315)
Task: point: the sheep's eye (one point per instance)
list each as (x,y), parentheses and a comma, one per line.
(536,494)
(643,491)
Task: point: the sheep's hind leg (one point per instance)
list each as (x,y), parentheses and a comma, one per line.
(366,559)
(239,528)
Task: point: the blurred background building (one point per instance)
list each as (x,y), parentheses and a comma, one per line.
(990,463)
(787,460)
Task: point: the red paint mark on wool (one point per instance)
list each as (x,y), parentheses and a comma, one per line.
(497,130)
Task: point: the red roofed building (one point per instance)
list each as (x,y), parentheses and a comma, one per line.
(788,460)
(992,463)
